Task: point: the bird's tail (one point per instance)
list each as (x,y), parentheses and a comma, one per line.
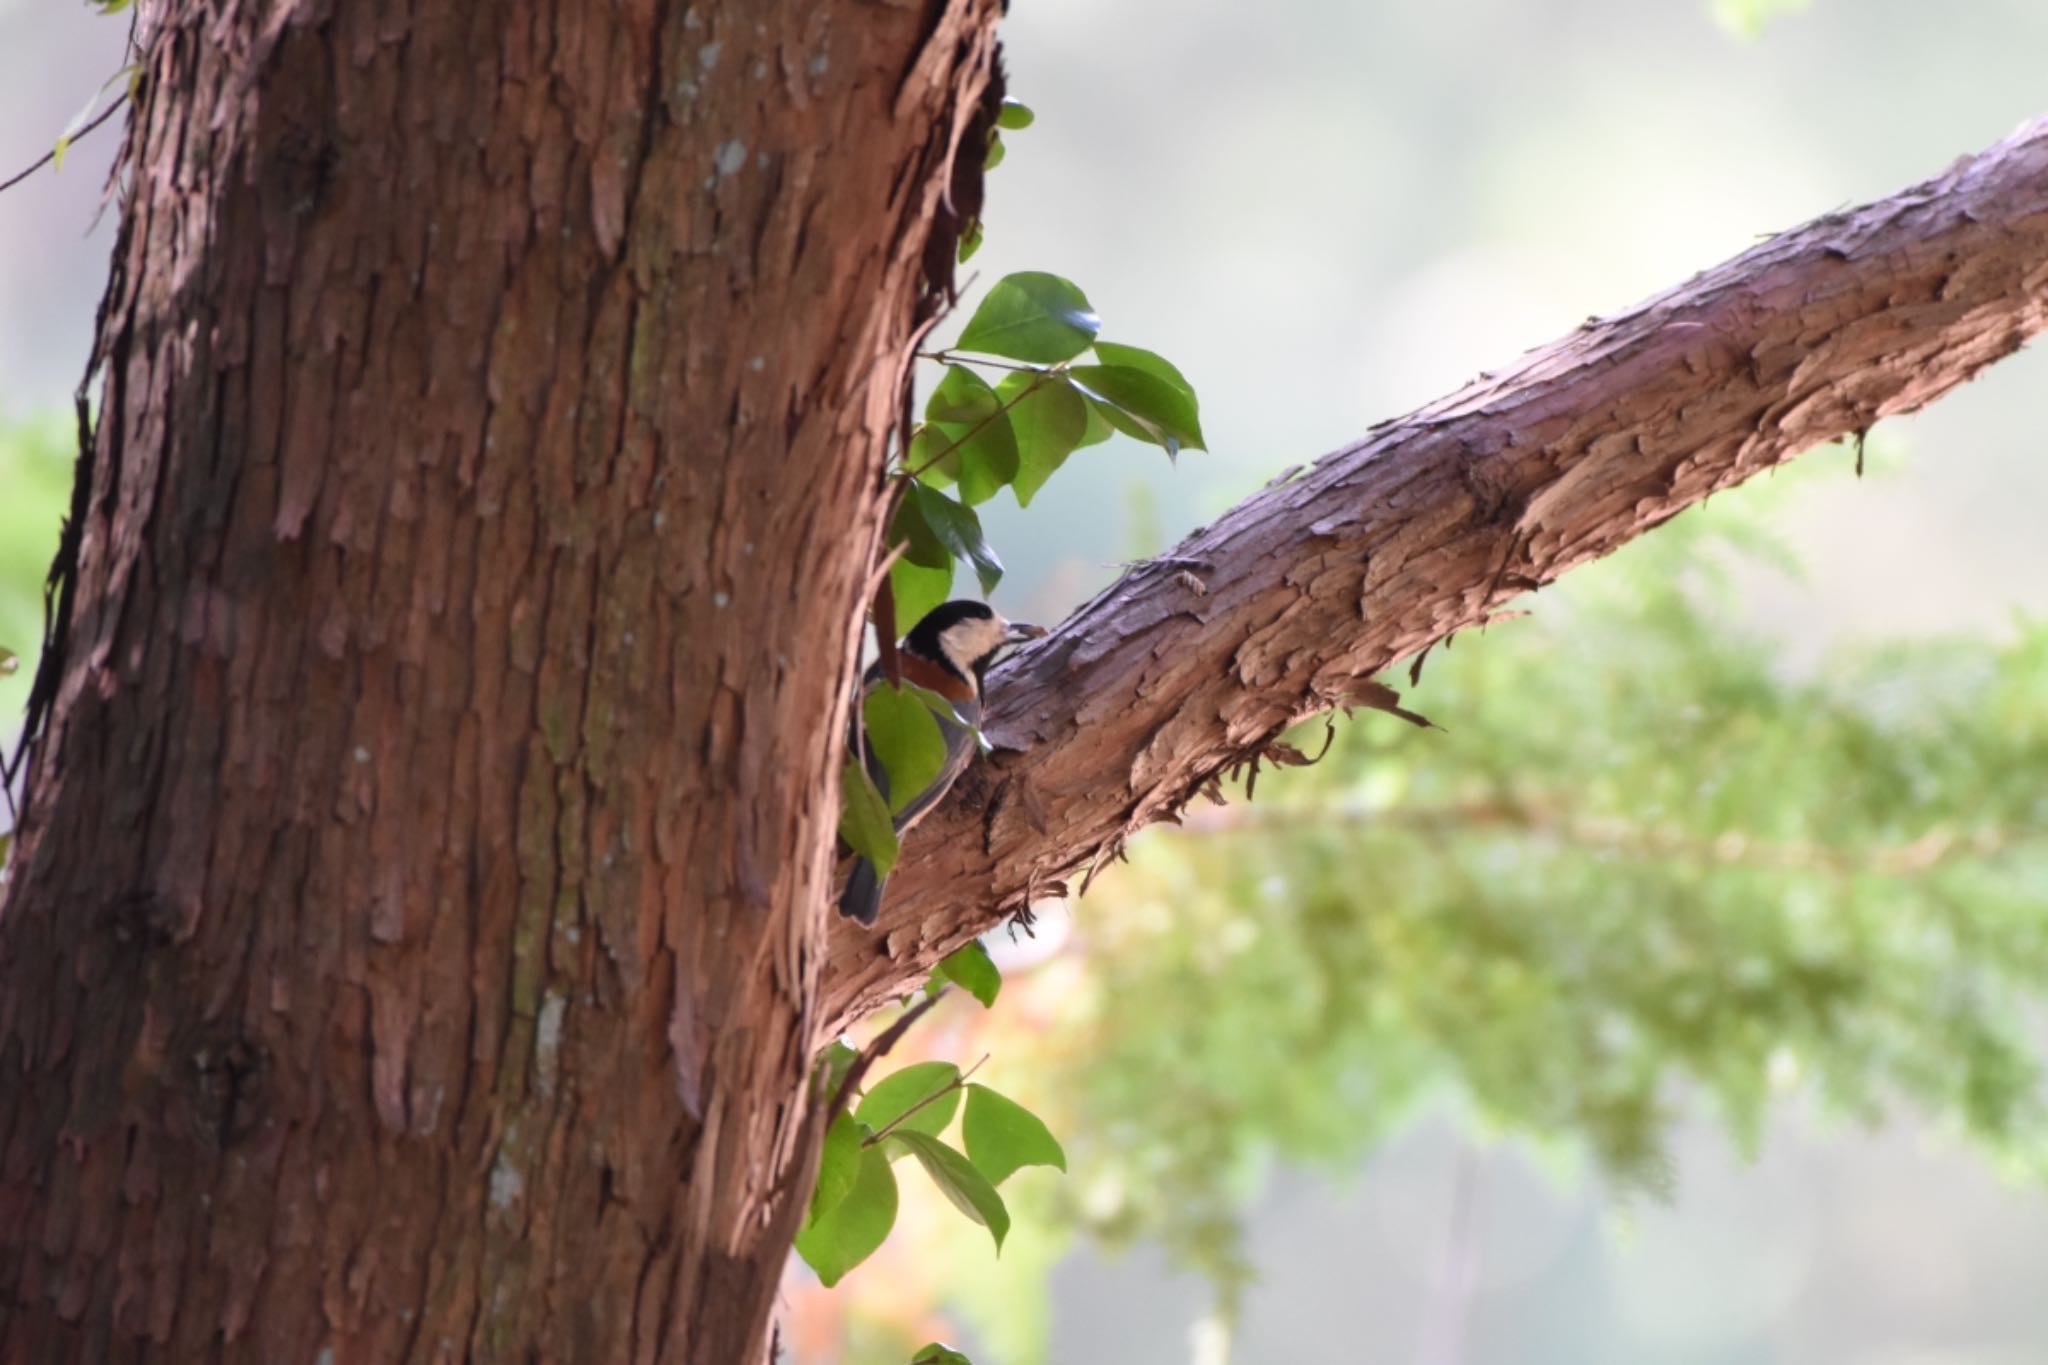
(862,899)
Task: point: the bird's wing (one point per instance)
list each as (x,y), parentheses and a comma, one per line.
(960,750)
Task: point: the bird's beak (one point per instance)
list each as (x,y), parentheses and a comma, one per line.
(1020,631)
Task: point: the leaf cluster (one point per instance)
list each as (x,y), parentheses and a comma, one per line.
(1057,387)
(907,1113)
(976,439)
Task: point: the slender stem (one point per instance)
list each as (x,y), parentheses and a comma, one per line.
(47,157)
(955,358)
(888,1038)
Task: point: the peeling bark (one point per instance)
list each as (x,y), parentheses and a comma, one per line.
(1288,605)
(413,945)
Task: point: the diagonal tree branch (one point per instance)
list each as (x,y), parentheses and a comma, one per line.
(1288,605)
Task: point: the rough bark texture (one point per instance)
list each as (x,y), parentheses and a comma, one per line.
(414,938)
(1288,605)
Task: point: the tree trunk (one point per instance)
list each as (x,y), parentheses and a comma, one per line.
(418,930)
(414,934)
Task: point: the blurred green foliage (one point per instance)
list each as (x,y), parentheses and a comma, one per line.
(1640,867)
(36,456)
(1748,18)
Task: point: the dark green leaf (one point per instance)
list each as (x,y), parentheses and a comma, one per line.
(838,1167)
(835,1059)
(1015,114)
(974,971)
(959,530)
(973,431)
(860,1222)
(1152,363)
(864,818)
(981,478)
(1116,419)
(903,735)
(919,589)
(921,544)
(1032,316)
(961,396)
(900,1092)
(970,241)
(1160,412)
(1099,428)
(959,1181)
(1002,1135)
(932,457)
(938,1353)
(1049,418)
(996,152)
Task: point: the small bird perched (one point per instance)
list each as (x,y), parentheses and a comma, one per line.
(948,652)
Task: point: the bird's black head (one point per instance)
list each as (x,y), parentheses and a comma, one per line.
(965,636)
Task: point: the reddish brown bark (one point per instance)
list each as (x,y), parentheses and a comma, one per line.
(414,938)
(1288,605)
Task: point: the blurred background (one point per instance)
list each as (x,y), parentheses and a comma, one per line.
(1679,1001)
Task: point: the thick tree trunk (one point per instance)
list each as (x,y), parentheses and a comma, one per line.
(415,932)
(1286,607)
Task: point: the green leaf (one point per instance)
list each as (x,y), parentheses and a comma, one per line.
(1099,428)
(959,530)
(974,971)
(921,544)
(903,735)
(1151,362)
(974,433)
(1159,412)
(1002,1135)
(860,1222)
(1032,316)
(835,1059)
(919,589)
(864,818)
(959,1181)
(838,1167)
(900,1092)
(1050,418)
(961,396)
(1015,114)
(970,241)
(996,152)
(938,1353)
(934,462)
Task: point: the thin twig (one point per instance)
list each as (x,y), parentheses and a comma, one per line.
(980,426)
(47,157)
(959,1082)
(955,358)
(879,1048)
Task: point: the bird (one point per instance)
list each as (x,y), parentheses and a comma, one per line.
(948,652)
